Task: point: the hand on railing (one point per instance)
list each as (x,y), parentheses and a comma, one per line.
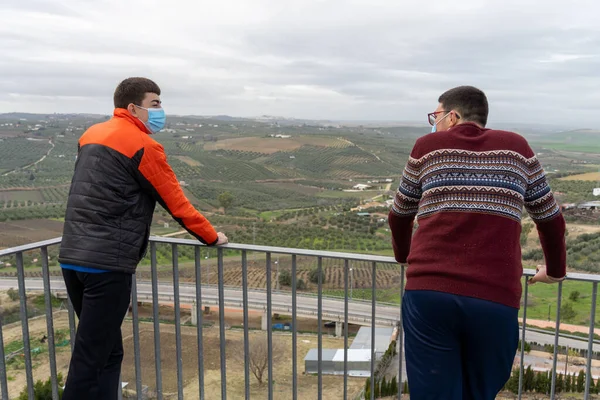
(542,276)
(222,239)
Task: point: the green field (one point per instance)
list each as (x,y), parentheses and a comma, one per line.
(543,298)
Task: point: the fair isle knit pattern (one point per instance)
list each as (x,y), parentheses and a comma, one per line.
(498,182)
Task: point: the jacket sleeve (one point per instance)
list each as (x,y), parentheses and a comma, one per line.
(157,177)
(405,208)
(544,211)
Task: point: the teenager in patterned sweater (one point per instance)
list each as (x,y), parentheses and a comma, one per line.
(467,186)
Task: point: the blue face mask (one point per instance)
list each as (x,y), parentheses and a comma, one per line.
(156,119)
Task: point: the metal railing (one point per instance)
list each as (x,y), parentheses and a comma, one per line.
(344,309)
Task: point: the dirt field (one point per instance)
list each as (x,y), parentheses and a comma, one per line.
(273,145)
(21,195)
(590,176)
(16,233)
(189,161)
(41,364)
(307,385)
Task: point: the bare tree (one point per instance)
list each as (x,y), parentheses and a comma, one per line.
(259,355)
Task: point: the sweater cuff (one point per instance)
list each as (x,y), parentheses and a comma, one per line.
(401,228)
(552,238)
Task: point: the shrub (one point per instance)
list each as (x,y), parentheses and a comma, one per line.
(314,275)
(285,278)
(13,294)
(43,390)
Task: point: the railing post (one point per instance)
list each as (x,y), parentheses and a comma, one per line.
(155,317)
(177,304)
(199,320)
(400,335)
(556,335)
(136,338)
(222,324)
(246,336)
(590,352)
(373,301)
(319,330)
(49,322)
(25,325)
(3,377)
(523,329)
(269,330)
(294,333)
(346,268)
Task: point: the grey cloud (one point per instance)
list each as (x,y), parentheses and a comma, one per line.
(388,64)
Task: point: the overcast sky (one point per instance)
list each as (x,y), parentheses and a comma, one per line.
(538,61)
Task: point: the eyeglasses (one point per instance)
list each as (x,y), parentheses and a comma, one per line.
(431,117)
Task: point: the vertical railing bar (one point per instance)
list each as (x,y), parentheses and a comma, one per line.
(3,377)
(246,335)
(136,338)
(557,330)
(155,317)
(177,303)
(25,325)
(71,314)
(222,323)
(400,335)
(269,330)
(590,352)
(320,323)
(294,333)
(523,329)
(49,322)
(199,321)
(373,301)
(346,270)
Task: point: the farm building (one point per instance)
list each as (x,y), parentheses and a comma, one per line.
(359,362)
(361,186)
(359,354)
(383,337)
(590,205)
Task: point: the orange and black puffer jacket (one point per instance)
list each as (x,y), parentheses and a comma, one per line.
(120,174)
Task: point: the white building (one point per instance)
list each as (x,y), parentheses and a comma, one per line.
(361,186)
(359,354)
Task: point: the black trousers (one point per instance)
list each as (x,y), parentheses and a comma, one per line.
(101,302)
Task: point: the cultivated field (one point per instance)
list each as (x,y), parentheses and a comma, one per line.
(590,176)
(273,145)
(189,161)
(28,231)
(32,195)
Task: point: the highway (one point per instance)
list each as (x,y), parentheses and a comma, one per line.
(359,312)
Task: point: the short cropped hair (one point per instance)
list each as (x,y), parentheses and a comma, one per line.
(133,90)
(468,101)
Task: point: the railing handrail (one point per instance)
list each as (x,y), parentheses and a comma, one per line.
(230,246)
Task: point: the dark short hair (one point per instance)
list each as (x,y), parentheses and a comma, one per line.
(468,101)
(133,90)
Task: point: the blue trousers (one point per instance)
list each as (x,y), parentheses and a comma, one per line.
(457,347)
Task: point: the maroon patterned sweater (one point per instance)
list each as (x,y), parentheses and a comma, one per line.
(467,187)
